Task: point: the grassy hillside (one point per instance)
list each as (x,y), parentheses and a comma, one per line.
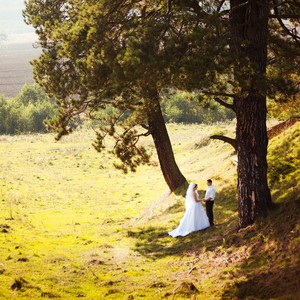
(73,227)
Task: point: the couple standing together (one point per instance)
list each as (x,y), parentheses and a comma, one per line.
(195,218)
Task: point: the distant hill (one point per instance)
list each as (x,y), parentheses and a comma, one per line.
(15,68)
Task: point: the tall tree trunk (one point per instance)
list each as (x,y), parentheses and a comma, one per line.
(249,26)
(251,135)
(168,165)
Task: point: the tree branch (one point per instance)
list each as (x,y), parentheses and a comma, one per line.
(220,5)
(225,139)
(145,127)
(227,105)
(287,30)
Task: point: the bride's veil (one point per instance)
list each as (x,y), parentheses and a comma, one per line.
(189,198)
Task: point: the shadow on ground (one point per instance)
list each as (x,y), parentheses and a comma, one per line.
(154,241)
(272,268)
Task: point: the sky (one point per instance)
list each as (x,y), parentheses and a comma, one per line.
(12,25)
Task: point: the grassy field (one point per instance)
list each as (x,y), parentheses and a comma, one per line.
(73,227)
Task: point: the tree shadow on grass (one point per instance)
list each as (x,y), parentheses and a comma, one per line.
(175,208)
(154,241)
(277,284)
(265,256)
(273,267)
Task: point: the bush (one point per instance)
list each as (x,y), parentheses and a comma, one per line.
(27,112)
(185,107)
(32,107)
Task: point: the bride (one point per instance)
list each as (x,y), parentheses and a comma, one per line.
(195,217)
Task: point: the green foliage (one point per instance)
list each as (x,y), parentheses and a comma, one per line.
(284,57)
(126,151)
(283,110)
(97,54)
(139,46)
(27,112)
(102,52)
(185,107)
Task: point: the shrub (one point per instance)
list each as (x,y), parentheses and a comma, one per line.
(185,107)
(27,112)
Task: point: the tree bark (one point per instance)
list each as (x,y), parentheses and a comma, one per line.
(251,135)
(158,130)
(249,28)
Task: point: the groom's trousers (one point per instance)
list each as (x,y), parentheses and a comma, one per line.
(209,211)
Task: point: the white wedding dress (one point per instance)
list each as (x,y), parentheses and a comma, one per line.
(194,218)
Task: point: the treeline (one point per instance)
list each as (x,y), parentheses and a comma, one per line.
(29,110)
(185,107)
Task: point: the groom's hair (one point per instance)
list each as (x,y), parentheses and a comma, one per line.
(209,180)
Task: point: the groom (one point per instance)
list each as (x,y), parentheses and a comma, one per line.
(209,200)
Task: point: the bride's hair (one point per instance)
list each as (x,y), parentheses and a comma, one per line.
(191,189)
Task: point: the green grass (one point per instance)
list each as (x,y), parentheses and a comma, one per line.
(72,227)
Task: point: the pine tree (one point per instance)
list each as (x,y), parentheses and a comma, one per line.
(109,53)
(245,51)
(122,53)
